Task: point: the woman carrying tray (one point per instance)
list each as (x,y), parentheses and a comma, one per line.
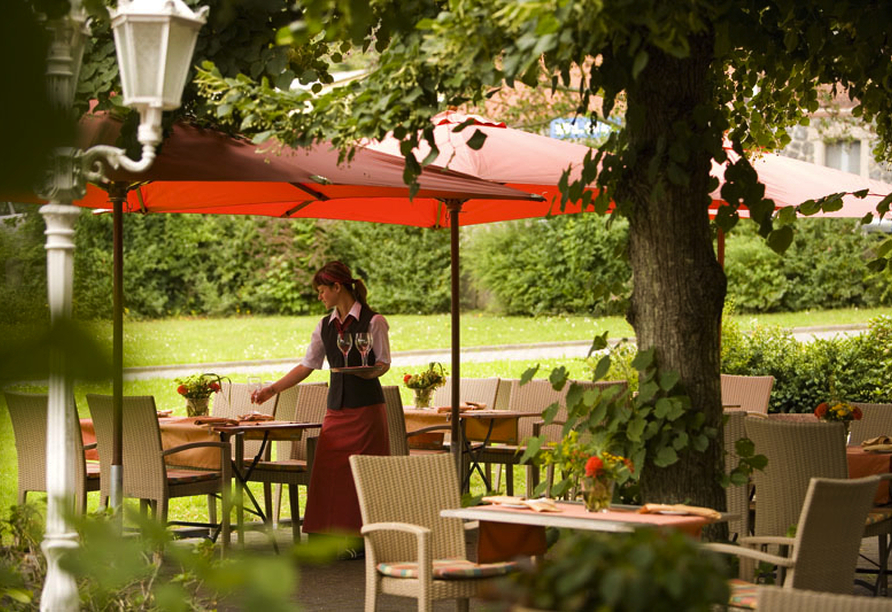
(355,422)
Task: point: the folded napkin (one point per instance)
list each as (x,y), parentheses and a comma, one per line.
(165,413)
(878,440)
(464,406)
(210,420)
(542,504)
(255,416)
(680,509)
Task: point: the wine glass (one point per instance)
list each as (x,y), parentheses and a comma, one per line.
(363,342)
(345,343)
(255,384)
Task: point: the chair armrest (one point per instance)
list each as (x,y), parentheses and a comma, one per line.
(538,425)
(759,540)
(422,537)
(190,445)
(428,429)
(740,551)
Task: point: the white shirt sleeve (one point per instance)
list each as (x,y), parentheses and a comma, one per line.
(379,329)
(315,356)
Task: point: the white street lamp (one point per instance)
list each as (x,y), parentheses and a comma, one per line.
(155,40)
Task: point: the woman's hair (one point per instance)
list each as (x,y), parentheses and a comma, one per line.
(336,272)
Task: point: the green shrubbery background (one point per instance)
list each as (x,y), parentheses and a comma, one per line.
(226,265)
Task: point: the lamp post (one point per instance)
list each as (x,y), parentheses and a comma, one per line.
(155,40)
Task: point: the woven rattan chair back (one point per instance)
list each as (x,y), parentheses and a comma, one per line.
(829,532)
(796,452)
(234,400)
(28,412)
(413,490)
(145,475)
(533,397)
(737,496)
(553,432)
(312,403)
(482,390)
(396,421)
(503,396)
(778,599)
(747,393)
(876,421)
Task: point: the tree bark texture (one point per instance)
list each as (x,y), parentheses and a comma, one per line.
(679,286)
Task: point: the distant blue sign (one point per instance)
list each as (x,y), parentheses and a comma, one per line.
(579,127)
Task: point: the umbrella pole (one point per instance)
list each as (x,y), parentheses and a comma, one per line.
(454,208)
(117,194)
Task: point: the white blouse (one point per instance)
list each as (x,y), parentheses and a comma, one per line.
(378,327)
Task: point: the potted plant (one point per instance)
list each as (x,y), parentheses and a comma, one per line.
(424,383)
(197,390)
(838,412)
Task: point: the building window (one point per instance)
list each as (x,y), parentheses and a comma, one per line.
(844,155)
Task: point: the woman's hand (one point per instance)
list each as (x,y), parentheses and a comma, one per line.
(263,394)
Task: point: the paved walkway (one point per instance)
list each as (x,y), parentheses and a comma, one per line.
(545,350)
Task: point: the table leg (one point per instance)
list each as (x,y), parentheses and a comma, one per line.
(239,488)
(473,454)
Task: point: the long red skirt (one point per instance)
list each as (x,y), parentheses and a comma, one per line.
(332,505)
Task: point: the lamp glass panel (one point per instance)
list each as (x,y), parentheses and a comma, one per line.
(181,45)
(148,52)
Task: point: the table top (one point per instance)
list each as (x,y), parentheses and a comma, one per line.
(619,519)
(271,430)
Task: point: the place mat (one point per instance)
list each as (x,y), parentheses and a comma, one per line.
(680,509)
(877,441)
(542,504)
(255,416)
(162,414)
(464,407)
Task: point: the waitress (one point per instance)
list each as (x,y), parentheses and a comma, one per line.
(355,422)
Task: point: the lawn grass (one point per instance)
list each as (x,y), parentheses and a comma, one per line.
(181,341)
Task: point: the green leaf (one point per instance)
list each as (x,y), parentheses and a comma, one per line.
(640,63)
(700,443)
(662,408)
(476,141)
(528,375)
(758,462)
(745,447)
(643,359)
(665,457)
(681,441)
(602,368)
(635,429)
(533,444)
(668,380)
(780,239)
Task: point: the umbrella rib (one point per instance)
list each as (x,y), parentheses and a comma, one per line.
(297,208)
(316,194)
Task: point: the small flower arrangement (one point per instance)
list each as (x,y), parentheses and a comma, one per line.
(842,412)
(431,378)
(199,386)
(607,465)
(585,465)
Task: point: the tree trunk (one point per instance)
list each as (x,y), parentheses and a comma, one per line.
(679,287)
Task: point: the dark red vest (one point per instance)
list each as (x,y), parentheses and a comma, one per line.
(346,390)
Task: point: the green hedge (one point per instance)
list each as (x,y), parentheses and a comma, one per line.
(856,368)
(576,264)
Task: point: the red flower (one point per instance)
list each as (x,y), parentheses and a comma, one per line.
(406,379)
(629,465)
(182,390)
(593,466)
(856,413)
(821,410)
(215,387)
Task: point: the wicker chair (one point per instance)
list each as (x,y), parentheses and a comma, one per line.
(737,496)
(777,599)
(233,400)
(146,477)
(483,390)
(305,403)
(876,421)
(28,413)
(396,421)
(410,550)
(796,452)
(824,552)
(747,393)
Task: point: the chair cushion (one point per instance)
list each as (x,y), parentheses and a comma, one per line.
(92,470)
(878,515)
(187,476)
(743,594)
(449,569)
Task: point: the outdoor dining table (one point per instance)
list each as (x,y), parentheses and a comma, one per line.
(265,431)
(507,531)
(480,428)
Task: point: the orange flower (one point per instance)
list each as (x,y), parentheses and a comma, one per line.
(593,466)
(406,378)
(182,390)
(821,410)
(856,413)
